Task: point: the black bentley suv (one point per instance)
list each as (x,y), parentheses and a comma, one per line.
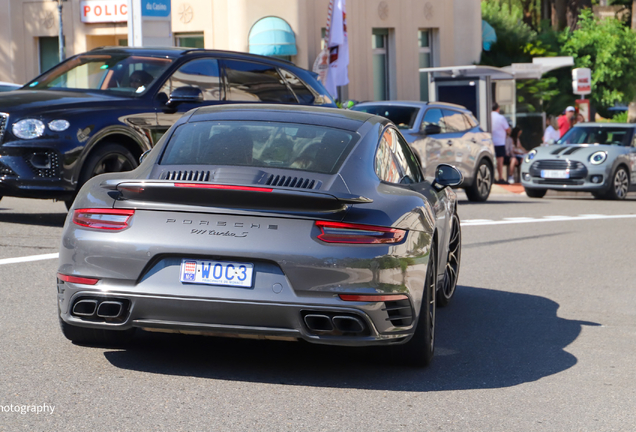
(99,111)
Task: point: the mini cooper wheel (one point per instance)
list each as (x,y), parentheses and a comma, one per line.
(535,193)
(619,186)
(91,336)
(418,351)
(451,271)
(480,189)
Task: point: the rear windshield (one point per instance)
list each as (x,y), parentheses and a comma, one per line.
(259,144)
(402,117)
(620,136)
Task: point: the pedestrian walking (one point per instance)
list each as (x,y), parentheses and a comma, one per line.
(565,120)
(500,130)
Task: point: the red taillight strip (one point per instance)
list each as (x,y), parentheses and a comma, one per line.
(372,298)
(85,217)
(77,279)
(223,187)
(358,234)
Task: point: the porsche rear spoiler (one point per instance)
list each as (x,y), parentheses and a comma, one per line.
(233,196)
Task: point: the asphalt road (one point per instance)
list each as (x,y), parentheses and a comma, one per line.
(540,336)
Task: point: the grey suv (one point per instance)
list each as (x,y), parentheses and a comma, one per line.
(443,133)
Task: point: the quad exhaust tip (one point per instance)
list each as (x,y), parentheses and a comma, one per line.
(321,323)
(85,308)
(348,324)
(109,309)
(332,323)
(92,308)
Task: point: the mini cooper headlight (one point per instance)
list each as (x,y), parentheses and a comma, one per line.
(58,125)
(531,155)
(598,157)
(28,129)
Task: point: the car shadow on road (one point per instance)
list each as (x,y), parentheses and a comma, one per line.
(485,339)
(41,219)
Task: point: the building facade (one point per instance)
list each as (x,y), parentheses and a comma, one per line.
(389,40)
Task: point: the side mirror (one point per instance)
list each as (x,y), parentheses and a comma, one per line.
(185,94)
(447,175)
(432,129)
(143,156)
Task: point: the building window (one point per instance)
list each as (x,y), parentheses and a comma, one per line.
(380,49)
(323,38)
(426,60)
(49,52)
(189,40)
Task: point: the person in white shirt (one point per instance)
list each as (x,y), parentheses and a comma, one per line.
(550,135)
(500,130)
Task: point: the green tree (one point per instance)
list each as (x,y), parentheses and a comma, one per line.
(518,43)
(608,48)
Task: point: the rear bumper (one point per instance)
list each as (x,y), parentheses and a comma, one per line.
(233,317)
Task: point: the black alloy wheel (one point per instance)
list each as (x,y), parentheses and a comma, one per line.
(451,271)
(419,350)
(480,189)
(107,158)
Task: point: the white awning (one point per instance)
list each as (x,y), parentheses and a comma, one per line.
(538,67)
(470,71)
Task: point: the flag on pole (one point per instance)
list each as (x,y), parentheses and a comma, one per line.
(338,45)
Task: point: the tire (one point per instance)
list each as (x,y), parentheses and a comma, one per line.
(419,350)
(619,185)
(453,261)
(480,189)
(91,336)
(535,193)
(106,158)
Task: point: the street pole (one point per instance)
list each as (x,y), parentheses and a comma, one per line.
(61,31)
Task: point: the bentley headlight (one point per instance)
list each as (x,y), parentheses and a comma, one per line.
(28,129)
(598,157)
(530,155)
(58,125)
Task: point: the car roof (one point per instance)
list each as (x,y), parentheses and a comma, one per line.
(330,117)
(414,104)
(595,124)
(175,52)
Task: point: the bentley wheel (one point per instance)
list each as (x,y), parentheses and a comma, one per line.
(480,189)
(418,351)
(451,271)
(108,158)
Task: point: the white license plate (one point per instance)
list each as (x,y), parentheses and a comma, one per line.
(555,174)
(217,273)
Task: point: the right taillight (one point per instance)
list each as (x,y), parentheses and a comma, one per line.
(341,232)
(105,219)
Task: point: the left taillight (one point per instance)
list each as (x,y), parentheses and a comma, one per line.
(77,279)
(105,219)
(341,232)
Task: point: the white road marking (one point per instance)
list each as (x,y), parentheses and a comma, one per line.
(508,221)
(29,258)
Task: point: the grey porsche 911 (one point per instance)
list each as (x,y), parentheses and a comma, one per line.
(591,157)
(266,221)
